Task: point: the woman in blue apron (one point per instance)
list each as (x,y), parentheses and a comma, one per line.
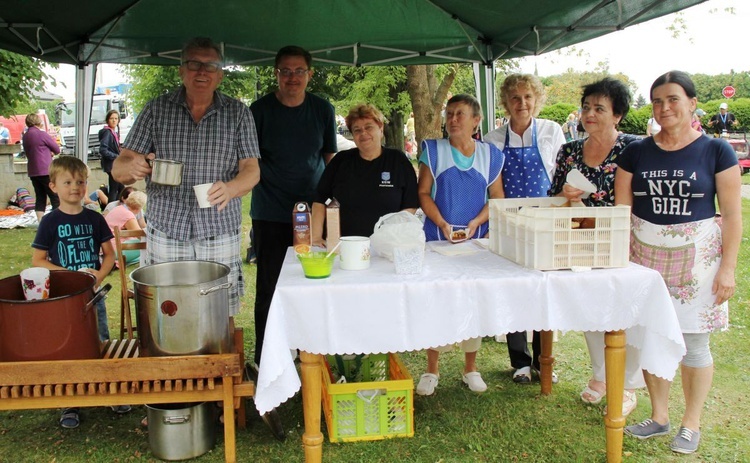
(456,178)
(530,146)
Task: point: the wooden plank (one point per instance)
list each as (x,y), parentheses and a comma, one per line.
(131,369)
(31,403)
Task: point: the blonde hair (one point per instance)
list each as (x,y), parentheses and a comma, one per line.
(514,81)
(70,164)
(136,200)
(364,111)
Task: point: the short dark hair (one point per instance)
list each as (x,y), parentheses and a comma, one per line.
(201,43)
(293,50)
(476,108)
(615,90)
(675,77)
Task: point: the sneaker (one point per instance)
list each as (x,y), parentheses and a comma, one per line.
(121,409)
(522,375)
(647,429)
(473,379)
(427,384)
(686,441)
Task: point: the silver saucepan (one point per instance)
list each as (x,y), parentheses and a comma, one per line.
(166,172)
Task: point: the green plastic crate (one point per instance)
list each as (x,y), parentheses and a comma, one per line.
(376,408)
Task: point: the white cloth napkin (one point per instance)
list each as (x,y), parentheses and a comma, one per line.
(447,248)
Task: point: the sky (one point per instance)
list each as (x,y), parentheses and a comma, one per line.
(713,43)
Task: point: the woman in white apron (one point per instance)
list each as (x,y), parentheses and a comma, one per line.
(530,146)
(456,178)
(672,181)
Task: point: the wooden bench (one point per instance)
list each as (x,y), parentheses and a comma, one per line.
(121,377)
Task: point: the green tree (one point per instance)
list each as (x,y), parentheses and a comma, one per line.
(19,78)
(150,82)
(382,86)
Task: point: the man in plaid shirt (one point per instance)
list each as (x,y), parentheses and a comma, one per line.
(214,136)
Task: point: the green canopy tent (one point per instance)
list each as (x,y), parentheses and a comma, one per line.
(337,32)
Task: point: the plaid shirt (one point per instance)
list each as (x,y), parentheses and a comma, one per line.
(210,150)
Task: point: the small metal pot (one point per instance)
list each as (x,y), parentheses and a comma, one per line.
(181,431)
(166,172)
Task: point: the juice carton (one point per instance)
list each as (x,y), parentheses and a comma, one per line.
(301,228)
(333,223)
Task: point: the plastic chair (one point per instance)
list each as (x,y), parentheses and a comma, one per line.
(126,319)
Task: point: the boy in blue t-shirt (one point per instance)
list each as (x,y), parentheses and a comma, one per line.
(70,238)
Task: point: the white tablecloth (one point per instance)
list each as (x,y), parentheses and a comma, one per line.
(456,298)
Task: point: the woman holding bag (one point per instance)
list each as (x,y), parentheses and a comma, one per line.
(456,178)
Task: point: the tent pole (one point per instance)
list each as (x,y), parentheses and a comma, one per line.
(85,75)
(484,79)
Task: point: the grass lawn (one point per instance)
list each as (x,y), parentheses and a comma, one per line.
(508,423)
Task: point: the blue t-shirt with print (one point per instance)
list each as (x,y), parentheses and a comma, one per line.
(73,241)
(672,187)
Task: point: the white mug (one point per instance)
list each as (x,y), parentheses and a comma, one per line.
(354,253)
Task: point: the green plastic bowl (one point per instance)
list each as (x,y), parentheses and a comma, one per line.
(316,265)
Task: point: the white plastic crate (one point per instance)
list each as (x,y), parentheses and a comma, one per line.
(538,233)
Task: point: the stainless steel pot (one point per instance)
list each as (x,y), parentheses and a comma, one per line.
(181,431)
(166,172)
(183,308)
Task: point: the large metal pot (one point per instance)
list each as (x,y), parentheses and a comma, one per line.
(183,308)
(181,431)
(62,327)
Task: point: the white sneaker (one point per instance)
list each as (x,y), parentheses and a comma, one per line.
(427,384)
(474,380)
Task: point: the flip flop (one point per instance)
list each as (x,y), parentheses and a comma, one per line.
(70,419)
(597,396)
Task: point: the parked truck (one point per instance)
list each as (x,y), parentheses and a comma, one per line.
(101,104)
(16,125)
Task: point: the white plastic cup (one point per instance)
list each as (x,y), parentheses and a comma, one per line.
(201,194)
(35,281)
(408,259)
(354,253)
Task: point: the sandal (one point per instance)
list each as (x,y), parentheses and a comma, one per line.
(522,375)
(70,419)
(629,402)
(596,396)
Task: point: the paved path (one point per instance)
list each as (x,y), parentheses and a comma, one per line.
(746,191)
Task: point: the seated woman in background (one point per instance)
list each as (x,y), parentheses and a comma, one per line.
(368,181)
(124,216)
(123,196)
(98,199)
(456,178)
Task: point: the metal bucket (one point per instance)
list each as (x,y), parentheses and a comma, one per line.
(181,431)
(62,327)
(183,308)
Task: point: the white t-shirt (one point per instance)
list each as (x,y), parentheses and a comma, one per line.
(549,138)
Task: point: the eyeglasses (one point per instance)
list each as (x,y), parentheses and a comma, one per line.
(193,65)
(292,72)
